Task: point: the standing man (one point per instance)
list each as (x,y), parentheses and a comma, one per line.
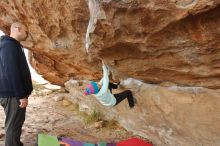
(15,82)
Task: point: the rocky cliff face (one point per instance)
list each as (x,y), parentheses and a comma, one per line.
(157,41)
(168,116)
(163,42)
(154,41)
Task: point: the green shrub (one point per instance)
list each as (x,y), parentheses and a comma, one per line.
(95,116)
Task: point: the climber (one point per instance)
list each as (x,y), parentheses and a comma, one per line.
(102,91)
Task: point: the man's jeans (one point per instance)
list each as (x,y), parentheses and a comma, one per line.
(15,117)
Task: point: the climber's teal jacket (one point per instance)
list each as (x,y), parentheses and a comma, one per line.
(104,95)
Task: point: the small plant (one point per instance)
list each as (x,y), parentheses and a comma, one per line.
(95,116)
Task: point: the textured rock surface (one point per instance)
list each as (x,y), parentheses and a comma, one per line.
(163,42)
(168,116)
(155,41)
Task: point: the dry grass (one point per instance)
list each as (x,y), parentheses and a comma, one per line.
(95,116)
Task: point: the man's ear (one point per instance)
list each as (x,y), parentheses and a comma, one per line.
(18,29)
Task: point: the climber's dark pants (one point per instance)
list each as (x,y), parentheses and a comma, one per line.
(112,86)
(123,95)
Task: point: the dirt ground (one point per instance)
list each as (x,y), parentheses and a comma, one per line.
(45,115)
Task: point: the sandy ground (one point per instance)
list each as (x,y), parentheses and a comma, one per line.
(44,115)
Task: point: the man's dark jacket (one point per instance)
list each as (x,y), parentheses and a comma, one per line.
(15,77)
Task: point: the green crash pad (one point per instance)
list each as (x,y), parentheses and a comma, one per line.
(46,140)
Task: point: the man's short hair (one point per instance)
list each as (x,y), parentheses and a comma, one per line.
(16,24)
